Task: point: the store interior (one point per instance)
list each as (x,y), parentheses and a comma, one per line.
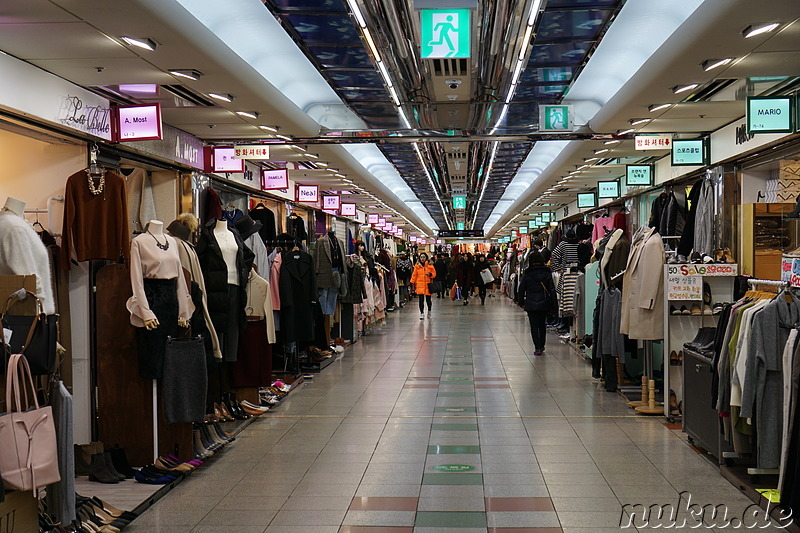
(231,262)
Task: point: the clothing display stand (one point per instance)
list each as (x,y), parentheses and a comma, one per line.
(652,407)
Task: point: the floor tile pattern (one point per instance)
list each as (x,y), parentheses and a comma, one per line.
(444,425)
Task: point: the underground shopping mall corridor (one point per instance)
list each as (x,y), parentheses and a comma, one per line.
(538,447)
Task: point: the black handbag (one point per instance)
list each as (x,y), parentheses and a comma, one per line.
(435,287)
(34,337)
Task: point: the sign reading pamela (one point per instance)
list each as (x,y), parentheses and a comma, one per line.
(138,123)
(274,180)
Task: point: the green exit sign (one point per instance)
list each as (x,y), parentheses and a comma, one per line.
(459,202)
(555,117)
(445,33)
(459,225)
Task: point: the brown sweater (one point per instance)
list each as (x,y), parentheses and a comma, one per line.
(95,226)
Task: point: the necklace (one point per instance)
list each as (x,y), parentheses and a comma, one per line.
(99,189)
(164,246)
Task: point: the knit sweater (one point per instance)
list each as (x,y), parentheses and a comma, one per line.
(22,253)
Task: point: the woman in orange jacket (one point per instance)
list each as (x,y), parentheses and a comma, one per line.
(423,275)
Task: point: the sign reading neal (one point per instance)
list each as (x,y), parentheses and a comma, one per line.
(638,175)
(555,118)
(459,202)
(445,33)
(586,199)
(139,123)
(274,180)
(770,114)
(332,202)
(607,189)
(348,210)
(308,194)
(256,151)
(689,153)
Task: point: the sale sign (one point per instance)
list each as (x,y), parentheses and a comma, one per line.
(308,194)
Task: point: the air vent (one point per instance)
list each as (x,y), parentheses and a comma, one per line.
(188,95)
(450,67)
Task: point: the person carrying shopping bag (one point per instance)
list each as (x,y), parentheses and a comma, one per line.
(537,295)
(421,280)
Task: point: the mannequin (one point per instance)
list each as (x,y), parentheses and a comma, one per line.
(22,252)
(159,290)
(227,244)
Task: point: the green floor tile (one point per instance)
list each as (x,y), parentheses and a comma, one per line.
(454,427)
(465,380)
(452,479)
(450,519)
(444,449)
(445,394)
(461,372)
(454,410)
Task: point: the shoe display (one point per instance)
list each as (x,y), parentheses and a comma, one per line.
(98,470)
(120,462)
(110,466)
(696,311)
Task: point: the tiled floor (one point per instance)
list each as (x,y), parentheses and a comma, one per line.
(444,425)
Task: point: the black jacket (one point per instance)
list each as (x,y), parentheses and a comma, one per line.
(441,267)
(215,272)
(687,237)
(298,289)
(536,290)
(480,267)
(263,214)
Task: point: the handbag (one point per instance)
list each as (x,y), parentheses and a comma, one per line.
(454,292)
(486,276)
(33,336)
(29,455)
(435,287)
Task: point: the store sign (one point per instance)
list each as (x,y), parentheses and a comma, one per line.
(381,222)
(523,230)
(259,152)
(308,194)
(224,161)
(138,123)
(459,202)
(546,217)
(770,114)
(439,241)
(331,202)
(348,210)
(388,227)
(711,269)
(684,288)
(532,224)
(638,175)
(460,226)
(413,238)
(445,33)
(539,222)
(372,219)
(586,199)
(399,232)
(274,180)
(460,233)
(176,146)
(555,117)
(607,189)
(689,153)
(653,142)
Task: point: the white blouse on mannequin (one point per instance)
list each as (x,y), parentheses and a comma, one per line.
(229,248)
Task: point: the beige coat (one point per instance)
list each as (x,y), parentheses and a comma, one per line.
(643,289)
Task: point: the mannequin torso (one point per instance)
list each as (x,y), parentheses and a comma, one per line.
(229,248)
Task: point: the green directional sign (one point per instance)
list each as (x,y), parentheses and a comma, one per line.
(555,118)
(459,226)
(532,224)
(445,33)
(459,202)
(454,468)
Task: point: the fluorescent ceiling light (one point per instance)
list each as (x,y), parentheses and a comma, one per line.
(711,64)
(625,132)
(140,42)
(357,13)
(394,96)
(224,97)
(312,156)
(273,129)
(637,121)
(284,137)
(526,40)
(591,159)
(658,107)
(248,114)
(385,73)
(371,43)
(188,73)
(615,141)
(752,31)
(683,88)
(604,150)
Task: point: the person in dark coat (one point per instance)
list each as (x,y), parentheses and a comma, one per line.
(465,276)
(441,266)
(537,295)
(481,264)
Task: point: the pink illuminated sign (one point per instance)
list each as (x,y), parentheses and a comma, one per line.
(331,202)
(381,222)
(138,123)
(308,194)
(348,210)
(373,219)
(224,161)
(274,180)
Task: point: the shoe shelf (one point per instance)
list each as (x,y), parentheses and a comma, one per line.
(316,366)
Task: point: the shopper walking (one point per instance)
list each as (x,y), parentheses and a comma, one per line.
(441,265)
(455,259)
(537,295)
(423,275)
(465,276)
(481,264)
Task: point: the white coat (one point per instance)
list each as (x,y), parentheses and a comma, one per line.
(643,288)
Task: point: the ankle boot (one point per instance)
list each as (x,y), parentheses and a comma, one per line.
(110,466)
(98,471)
(120,462)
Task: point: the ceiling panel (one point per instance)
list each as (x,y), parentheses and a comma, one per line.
(23,11)
(115,71)
(59,40)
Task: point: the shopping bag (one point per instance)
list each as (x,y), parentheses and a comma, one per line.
(486,276)
(28,456)
(458,293)
(435,287)
(454,292)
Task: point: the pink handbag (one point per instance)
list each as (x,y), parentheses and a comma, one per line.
(28,453)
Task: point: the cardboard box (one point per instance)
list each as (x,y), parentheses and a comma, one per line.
(19,513)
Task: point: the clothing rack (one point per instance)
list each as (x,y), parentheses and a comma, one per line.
(49,211)
(752,283)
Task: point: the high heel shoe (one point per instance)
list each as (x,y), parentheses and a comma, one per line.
(224,410)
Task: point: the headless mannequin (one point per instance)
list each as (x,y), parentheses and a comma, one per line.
(15,206)
(229,248)
(156,228)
